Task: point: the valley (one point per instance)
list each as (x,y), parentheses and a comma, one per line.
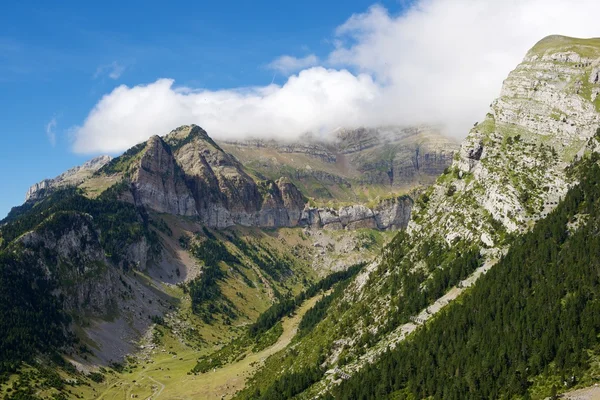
(167,375)
(375,263)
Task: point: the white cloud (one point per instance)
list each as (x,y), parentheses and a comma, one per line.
(51,131)
(442,61)
(114,70)
(289,64)
(316,100)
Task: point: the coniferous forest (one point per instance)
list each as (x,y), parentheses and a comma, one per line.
(534,316)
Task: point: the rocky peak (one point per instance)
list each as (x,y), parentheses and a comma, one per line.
(187,173)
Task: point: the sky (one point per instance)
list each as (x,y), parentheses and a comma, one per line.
(80,79)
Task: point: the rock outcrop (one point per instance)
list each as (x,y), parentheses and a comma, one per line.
(512,167)
(159,184)
(398,157)
(72,177)
(389,214)
(89,283)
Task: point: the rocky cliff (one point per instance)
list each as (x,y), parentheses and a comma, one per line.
(72,177)
(187,173)
(512,168)
(389,214)
(397,156)
(351,162)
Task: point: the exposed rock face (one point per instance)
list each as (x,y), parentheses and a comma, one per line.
(396,156)
(392,157)
(89,284)
(159,184)
(392,214)
(389,214)
(511,167)
(72,177)
(188,174)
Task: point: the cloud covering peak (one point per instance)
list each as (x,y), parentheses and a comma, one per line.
(439,62)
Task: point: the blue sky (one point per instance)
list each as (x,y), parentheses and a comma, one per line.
(56,62)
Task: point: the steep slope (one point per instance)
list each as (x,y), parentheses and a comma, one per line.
(544,299)
(512,170)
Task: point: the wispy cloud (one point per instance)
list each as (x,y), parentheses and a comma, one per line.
(51,131)
(113,70)
(290,64)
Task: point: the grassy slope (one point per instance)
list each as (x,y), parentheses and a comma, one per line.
(172,371)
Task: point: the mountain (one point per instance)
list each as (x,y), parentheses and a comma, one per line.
(72,177)
(191,268)
(513,169)
(351,165)
(187,173)
(174,238)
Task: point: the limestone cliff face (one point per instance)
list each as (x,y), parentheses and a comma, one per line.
(395,156)
(72,177)
(187,173)
(225,195)
(89,284)
(387,157)
(511,168)
(159,183)
(389,214)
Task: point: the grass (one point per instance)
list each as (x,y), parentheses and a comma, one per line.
(589,48)
(97,184)
(173,371)
(184,337)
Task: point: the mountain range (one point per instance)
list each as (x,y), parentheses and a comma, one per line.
(375,263)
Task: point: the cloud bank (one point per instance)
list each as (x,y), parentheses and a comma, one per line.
(439,62)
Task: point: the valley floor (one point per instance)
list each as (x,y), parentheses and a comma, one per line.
(166,376)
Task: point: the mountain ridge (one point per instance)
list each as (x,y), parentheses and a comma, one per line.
(512,170)
(187,173)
